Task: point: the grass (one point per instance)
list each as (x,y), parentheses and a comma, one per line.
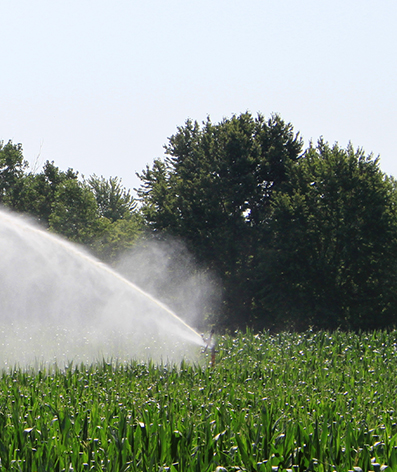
(309,402)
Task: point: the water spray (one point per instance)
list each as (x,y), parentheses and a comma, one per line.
(111,272)
(58,302)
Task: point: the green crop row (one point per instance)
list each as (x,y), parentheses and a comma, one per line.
(299,402)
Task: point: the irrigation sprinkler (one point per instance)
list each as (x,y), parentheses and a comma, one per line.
(211,346)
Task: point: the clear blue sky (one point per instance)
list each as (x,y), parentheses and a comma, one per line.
(99,85)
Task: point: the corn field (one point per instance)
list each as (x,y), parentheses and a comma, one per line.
(288,402)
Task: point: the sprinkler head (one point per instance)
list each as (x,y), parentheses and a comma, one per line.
(210,342)
(210,345)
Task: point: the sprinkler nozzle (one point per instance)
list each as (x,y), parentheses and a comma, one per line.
(211,345)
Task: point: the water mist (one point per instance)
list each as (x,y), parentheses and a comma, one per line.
(58,304)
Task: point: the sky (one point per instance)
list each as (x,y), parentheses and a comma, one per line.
(99,86)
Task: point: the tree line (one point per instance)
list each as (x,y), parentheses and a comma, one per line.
(96,212)
(297,238)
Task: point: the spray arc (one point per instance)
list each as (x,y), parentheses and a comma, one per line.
(60,303)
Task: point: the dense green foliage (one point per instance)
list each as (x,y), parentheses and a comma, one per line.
(299,402)
(12,166)
(334,237)
(298,239)
(215,190)
(99,213)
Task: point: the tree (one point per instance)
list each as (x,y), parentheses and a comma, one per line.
(214,191)
(74,212)
(37,191)
(98,213)
(334,235)
(117,237)
(103,219)
(12,167)
(121,223)
(114,201)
